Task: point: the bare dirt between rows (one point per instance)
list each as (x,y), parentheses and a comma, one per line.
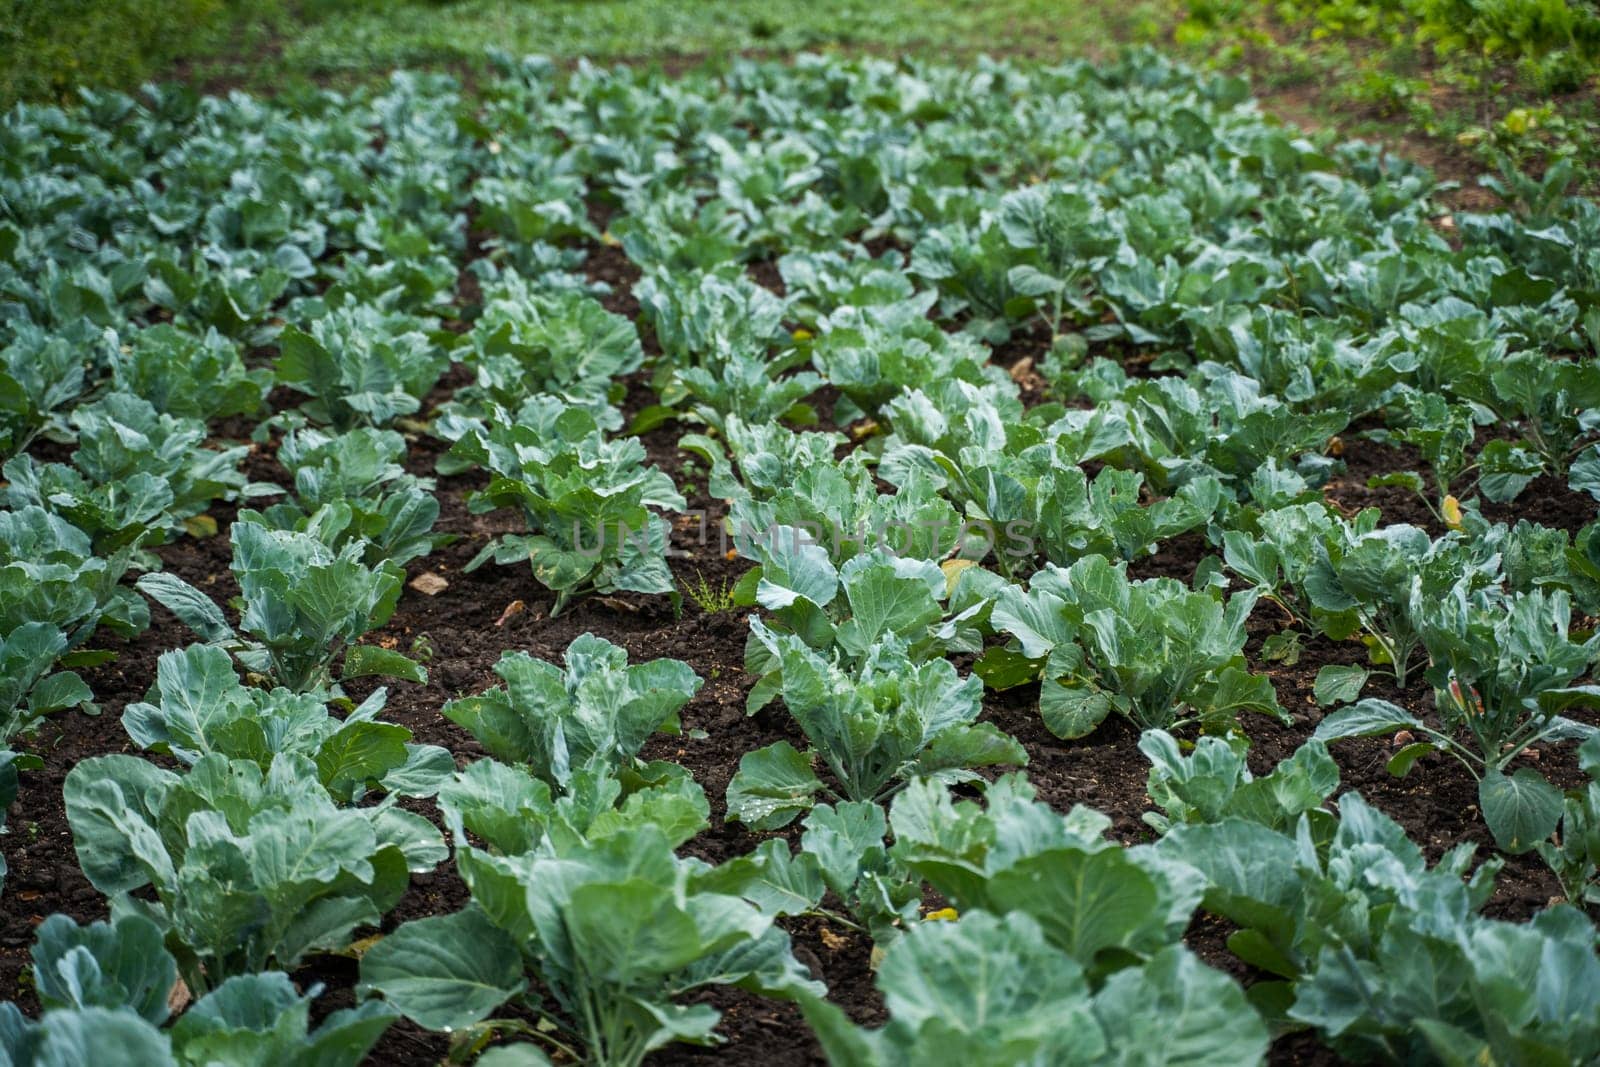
(468,625)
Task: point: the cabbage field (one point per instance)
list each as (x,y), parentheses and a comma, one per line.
(838,561)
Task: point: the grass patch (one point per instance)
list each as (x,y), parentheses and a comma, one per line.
(711,598)
(279,44)
(49,48)
(1499,82)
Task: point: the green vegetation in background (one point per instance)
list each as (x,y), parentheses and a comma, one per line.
(45,50)
(1479,78)
(1499,78)
(394,32)
(49,47)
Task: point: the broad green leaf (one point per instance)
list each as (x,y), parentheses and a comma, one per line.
(520,1055)
(1369,718)
(106,965)
(89,1035)
(1339,683)
(359,752)
(986,973)
(840,836)
(1072,709)
(772,786)
(1521,809)
(365,661)
(445,972)
(1401,762)
(1002,668)
(772,878)
(1084,901)
(261,1018)
(112,806)
(193,608)
(1191,1013)
(627,930)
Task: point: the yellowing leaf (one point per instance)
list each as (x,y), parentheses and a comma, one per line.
(952,572)
(1452,512)
(200,526)
(865,429)
(359,947)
